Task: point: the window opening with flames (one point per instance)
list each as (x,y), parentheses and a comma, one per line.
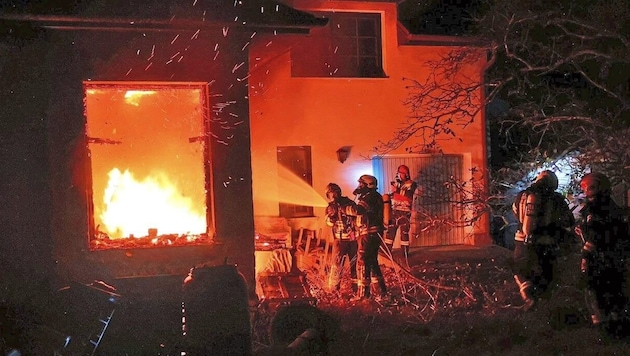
(149,164)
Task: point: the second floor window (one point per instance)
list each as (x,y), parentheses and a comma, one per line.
(349,46)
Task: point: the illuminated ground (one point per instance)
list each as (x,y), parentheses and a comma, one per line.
(458,302)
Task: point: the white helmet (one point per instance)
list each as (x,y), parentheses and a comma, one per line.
(369,181)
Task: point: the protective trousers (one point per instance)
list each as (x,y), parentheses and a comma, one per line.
(368,254)
(347,251)
(606,297)
(523,266)
(401,220)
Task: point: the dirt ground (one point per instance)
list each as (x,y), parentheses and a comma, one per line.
(458,300)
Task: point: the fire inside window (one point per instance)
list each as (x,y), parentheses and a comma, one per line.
(149,160)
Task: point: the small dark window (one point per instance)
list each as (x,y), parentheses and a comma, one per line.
(350,46)
(294,170)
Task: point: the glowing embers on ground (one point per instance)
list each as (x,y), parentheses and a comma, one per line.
(147,213)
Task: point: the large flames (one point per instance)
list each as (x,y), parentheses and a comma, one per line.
(148,207)
(147,213)
(147,159)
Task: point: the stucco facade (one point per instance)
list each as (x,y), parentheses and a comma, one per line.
(327,113)
(256,104)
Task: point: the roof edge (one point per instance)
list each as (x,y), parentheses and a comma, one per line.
(406,38)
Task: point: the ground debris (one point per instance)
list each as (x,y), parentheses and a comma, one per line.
(461,306)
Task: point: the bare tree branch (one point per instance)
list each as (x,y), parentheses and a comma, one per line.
(562,73)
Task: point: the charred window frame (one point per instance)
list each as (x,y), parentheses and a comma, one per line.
(350,46)
(151,135)
(296,159)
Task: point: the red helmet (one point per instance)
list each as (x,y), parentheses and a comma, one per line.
(402,169)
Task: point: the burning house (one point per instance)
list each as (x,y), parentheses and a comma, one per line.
(112,103)
(321,103)
(141,139)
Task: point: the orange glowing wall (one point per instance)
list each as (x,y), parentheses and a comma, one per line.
(329,113)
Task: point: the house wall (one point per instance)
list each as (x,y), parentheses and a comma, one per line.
(44,240)
(328,113)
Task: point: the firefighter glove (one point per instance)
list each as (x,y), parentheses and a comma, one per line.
(584,266)
(331,211)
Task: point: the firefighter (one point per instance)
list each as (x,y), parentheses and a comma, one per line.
(604,230)
(544,219)
(401,197)
(369,212)
(343,230)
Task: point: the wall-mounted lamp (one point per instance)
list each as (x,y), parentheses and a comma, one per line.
(343,153)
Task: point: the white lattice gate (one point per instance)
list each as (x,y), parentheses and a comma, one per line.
(434,199)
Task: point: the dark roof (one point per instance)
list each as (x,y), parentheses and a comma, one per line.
(438,17)
(267,15)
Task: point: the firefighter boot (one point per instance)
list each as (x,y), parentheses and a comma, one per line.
(362,294)
(384,297)
(367,289)
(354,284)
(593,307)
(526,290)
(381,284)
(363,291)
(355,289)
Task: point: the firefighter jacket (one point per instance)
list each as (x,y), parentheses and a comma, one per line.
(544,216)
(343,225)
(369,212)
(402,196)
(604,228)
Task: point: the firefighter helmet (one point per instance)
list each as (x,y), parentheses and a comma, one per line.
(595,183)
(547,179)
(369,181)
(332,187)
(402,169)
